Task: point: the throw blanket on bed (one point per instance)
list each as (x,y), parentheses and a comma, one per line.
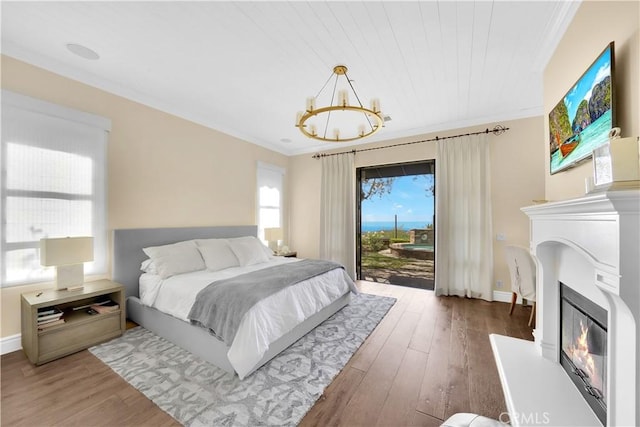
(221,305)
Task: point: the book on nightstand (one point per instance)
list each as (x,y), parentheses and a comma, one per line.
(105,307)
(48,313)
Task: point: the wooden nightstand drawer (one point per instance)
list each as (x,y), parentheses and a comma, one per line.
(66,339)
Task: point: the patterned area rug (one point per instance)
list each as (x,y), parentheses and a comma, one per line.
(281,392)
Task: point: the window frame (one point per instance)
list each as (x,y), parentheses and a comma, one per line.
(15,103)
(273,170)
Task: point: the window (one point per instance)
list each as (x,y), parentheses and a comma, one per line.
(270,183)
(53,168)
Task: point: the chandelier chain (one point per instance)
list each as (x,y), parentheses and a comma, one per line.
(325,85)
(358,99)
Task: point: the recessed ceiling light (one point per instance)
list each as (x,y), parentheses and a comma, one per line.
(285,140)
(82,51)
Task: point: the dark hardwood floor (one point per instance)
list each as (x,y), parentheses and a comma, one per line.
(428,358)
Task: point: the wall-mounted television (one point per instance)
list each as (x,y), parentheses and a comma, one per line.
(581,121)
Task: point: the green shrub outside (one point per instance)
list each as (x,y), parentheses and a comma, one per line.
(375,241)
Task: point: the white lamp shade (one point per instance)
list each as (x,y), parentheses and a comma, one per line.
(66,251)
(273,234)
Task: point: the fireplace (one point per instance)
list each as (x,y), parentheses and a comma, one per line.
(591,245)
(583,349)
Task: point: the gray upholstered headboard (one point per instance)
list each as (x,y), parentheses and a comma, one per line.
(128,244)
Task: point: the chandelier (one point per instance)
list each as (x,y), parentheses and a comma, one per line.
(339,121)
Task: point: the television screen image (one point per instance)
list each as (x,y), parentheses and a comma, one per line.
(583,118)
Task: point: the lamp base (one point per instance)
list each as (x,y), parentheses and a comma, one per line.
(70,277)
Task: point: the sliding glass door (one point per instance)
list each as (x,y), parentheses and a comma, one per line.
(396,224)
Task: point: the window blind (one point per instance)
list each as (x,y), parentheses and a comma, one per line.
(270,189)
(53,184)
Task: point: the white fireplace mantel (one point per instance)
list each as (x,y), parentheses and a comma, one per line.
(591,244)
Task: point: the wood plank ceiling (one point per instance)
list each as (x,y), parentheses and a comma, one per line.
(246,68)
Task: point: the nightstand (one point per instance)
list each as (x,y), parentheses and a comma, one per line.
(80,329)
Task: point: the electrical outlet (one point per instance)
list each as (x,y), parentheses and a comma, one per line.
(499,284)
(501,237)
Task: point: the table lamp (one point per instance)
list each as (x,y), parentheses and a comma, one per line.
(273,235)
(68,255)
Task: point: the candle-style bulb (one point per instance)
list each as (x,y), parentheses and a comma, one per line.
(311,104)
(375,105)
(343,98)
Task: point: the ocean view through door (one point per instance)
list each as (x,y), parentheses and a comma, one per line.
(396,224)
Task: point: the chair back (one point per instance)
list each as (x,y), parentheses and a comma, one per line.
(522,268)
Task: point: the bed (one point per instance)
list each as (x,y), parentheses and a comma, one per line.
(127,258)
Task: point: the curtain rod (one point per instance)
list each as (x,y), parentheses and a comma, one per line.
(497,130)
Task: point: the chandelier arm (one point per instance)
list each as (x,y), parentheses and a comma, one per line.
(323,86)
(333,96)
(366,116)
(353,90)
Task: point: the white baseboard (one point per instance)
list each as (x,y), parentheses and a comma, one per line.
(503,296)
(10,344)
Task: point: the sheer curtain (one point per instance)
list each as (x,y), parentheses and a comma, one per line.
(337,211)
(464,254)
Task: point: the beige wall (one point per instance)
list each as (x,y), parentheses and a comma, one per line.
(162,170)
(166,171)
(596,24)
(517,159)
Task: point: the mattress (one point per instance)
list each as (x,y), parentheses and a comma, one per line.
(265,322)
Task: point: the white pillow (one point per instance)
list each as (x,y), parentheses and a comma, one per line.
(268,252)
(176,258)
(148,266)
(217,254)
(249,250)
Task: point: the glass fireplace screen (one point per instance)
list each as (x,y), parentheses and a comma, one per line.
(584,347)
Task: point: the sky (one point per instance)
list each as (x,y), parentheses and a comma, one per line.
(408,199)
(582,89)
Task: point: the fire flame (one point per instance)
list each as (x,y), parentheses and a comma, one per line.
(583,358)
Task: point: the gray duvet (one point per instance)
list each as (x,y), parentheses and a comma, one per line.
(221,305)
